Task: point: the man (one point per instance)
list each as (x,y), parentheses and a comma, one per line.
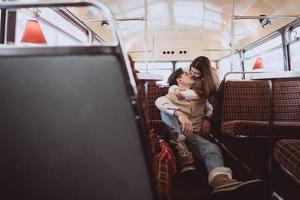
(190,115)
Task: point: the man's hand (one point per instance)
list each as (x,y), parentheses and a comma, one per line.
(205,126)
(187,126)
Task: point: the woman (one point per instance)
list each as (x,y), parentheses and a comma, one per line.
(206,78)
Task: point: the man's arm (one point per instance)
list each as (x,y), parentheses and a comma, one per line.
(165,105)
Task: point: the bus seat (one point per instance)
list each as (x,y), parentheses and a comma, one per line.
(243,123)
(153,92)
(163,159)
(260,128)
(287,100)
(70,126)
(164,166)
(287,155)
(246,108)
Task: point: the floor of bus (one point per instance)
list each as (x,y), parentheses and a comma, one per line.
(194,186)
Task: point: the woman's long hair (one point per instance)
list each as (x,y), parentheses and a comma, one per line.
(209,76)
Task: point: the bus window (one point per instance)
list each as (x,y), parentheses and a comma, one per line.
(183,65)
(162,68)
(271,53)
(67,34)
(224,66)
(294,48)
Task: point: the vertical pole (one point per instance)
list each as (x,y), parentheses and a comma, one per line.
(2,26)
(153,40)
(232,37)
(10,34)
(146,34)
(271,129)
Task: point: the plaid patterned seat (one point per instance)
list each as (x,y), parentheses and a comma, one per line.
(164,166)
(287,154)
(287,100)
(246,108)
(260,128)
(153,92)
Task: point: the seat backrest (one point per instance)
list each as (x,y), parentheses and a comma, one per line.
(246,100)
(287,100)
(153,92)
(69,126)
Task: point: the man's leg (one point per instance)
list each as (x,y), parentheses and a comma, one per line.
(184,156)
(172,123)
(220,177)
(210,154)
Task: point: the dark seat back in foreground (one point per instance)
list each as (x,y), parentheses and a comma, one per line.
(69,128)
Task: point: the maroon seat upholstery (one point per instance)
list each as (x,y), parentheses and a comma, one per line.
(246,100)
(261,128)
(246,114)
(287,154)
(246,108)
(287,100)
(164,166)
(153,92)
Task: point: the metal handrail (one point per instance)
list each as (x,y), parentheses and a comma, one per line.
(65,3)
(236,17)
(243,73)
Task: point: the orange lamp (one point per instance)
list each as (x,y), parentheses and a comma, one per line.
(258,64)
(33,33)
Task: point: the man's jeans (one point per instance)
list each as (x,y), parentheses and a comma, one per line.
(201,148)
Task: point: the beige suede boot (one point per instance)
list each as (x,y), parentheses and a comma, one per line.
(225,187)
(184,157)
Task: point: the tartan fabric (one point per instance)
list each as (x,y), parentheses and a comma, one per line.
(142,107)
(246,108)
(287,100)
(246,100)
(153,92)
(164,169)
(154,142)
(261,128)
(287,154)
(164,166)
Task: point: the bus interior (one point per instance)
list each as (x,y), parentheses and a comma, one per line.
(78,85)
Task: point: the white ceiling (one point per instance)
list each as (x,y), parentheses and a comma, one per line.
(196,24)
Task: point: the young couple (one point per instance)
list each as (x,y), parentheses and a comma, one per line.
(186,109)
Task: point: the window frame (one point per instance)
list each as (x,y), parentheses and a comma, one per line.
(289,42)
(261,42)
